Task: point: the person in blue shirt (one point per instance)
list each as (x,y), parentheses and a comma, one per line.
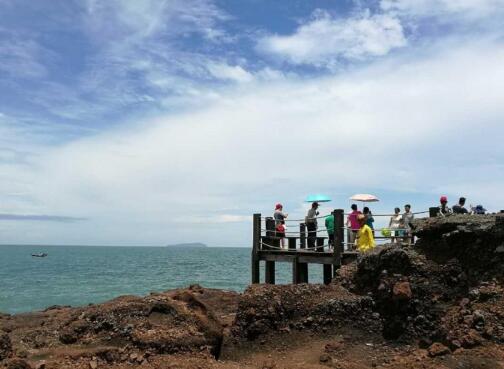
(369,217)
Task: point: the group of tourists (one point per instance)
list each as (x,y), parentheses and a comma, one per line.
(460,208)
(361,229)
(360,225)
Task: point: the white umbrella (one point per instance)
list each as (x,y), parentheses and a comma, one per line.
(364,197)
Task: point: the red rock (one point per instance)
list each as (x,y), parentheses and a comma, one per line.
(470,340)
(402,291)
(438,349)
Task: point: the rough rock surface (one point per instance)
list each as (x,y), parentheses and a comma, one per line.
(265,308)
(128,329)
(438,304)
(5,346)
(475,241)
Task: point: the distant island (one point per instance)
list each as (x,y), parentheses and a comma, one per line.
(192,245)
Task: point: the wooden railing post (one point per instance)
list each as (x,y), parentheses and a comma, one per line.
(302,236)
(339,234)
(256,239)
(292,243)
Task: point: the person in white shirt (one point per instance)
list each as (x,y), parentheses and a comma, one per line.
(395,225)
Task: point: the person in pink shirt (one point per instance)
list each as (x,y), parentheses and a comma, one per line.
(353,224)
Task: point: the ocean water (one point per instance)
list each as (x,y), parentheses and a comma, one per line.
(79,275)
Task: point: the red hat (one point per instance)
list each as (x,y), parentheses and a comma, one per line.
(443,199)
(278,206)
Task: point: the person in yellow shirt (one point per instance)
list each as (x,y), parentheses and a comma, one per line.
(365,240)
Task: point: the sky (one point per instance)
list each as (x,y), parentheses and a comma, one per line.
(150,122)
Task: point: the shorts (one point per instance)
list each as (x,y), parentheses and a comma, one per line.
(280,234)
(399,233)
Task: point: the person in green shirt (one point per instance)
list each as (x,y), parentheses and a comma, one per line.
(329,224)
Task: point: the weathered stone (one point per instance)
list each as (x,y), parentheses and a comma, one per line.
(17,364)
(5,346)
(471,339)
(40,365)
(438,349)
(402,291)
(324,358)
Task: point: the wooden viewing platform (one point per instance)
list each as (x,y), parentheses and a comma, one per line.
(266,247)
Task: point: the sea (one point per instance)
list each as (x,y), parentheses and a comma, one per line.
(81,275)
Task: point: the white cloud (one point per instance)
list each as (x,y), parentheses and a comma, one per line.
(324,40)
(424,126)
(468,9)
(227,72)
(130,19)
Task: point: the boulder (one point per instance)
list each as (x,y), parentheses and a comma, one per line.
(402,291)
(438,349)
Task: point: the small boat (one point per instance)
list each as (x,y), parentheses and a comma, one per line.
(39,255)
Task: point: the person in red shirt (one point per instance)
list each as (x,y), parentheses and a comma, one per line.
(353,224)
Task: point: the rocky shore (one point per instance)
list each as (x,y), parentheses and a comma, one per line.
(439,304)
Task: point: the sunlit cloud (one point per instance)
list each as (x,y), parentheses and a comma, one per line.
(324,40)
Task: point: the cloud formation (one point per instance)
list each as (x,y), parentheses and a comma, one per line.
(167,130)
(324,40)
(381,127)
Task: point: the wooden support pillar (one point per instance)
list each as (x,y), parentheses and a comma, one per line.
(328,273)
(256,237)
(339,234)
(302,236)
(270,272)
(301,269)
(299,272)
(302,272)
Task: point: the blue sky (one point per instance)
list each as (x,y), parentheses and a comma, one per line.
(127,122)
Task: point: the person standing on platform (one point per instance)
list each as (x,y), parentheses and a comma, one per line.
(395,225)
(444,209)
(460,207)
(279,217)
(329,224)
(311,224)
(407,223)
(353,224)
(369,217)
(365,240)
